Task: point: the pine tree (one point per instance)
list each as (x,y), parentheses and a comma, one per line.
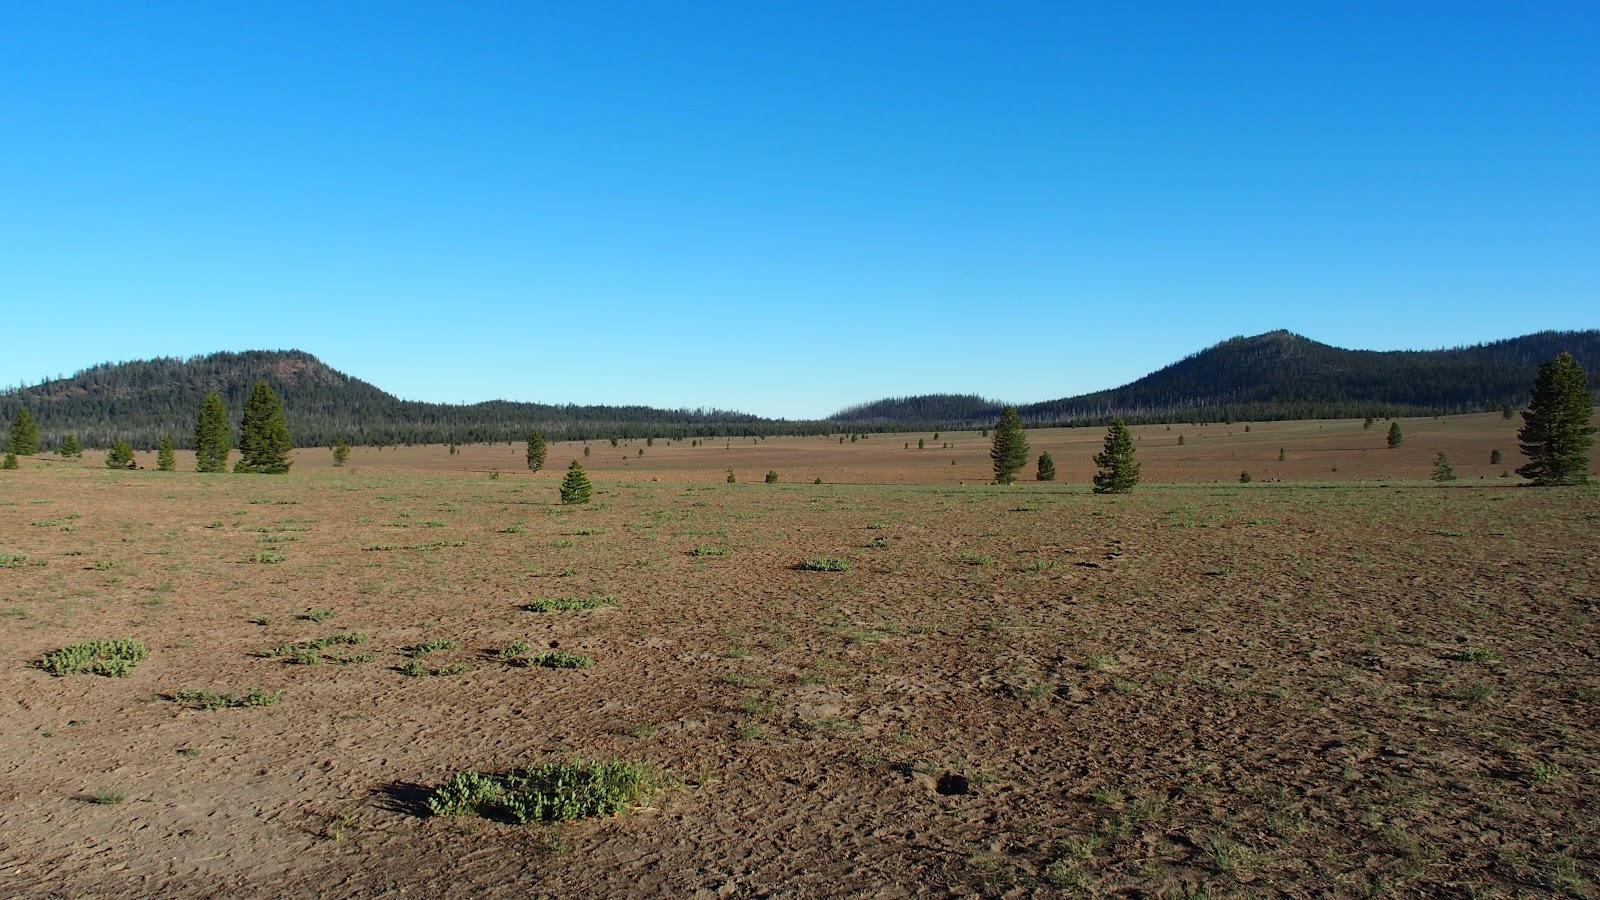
(1441,468)
(730,478)
(1366,424)
(537,449)
(70,448)
(585,450)
(264,443)
(1495,457)
(165,460)
(1047,468)
(1009,451)
(1394,435)
(772,476)
(575,488)
(10,461)
(1281,455)
(24,434)
(211,435)
(1556,434)
(341,452)
(1244,477)
(1118,470)
(120,456)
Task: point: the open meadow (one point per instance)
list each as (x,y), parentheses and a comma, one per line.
(901,681)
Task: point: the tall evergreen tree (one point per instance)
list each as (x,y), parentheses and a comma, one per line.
(70,448)
(1442,470)
(537,449)
(341,452)
(264,443)
(1118,470)
(575,488)
(1009,451)
(1556,434)
(166,460)
(1395,437)
(212,438)
(24,434)
(10,461)
(120,456)
(1047,468)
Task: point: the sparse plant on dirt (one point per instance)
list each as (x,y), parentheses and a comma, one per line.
(210,700)
(554,792)
(825,564)
(567,604)
(432,645)
(552,659)
(115,659)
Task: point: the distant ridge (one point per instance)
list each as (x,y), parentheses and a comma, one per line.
(140,401)
(1281,375)
(1277,375)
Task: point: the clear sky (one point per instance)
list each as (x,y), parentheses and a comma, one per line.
(787,207)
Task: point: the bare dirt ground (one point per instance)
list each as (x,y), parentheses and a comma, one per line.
(1272,689)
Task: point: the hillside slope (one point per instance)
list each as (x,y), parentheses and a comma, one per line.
(1280,375)
(140,401)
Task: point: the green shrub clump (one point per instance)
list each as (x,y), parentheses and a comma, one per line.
(554,792)
(112,658)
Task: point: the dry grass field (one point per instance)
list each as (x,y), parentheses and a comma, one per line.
(1353,683)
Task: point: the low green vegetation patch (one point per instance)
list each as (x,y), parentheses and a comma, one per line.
(415,669)
(210,700)
(432,645)
(709,551)
(13,560)
(113,658)
(301,649)
(554,792)
(825,564)
(553,659)
(430,545)
(567,604)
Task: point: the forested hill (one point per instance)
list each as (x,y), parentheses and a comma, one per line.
(1279,375)
(140,401)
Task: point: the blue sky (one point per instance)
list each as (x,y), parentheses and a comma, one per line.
(786,208)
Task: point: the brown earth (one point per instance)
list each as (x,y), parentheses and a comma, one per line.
(1293,690)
